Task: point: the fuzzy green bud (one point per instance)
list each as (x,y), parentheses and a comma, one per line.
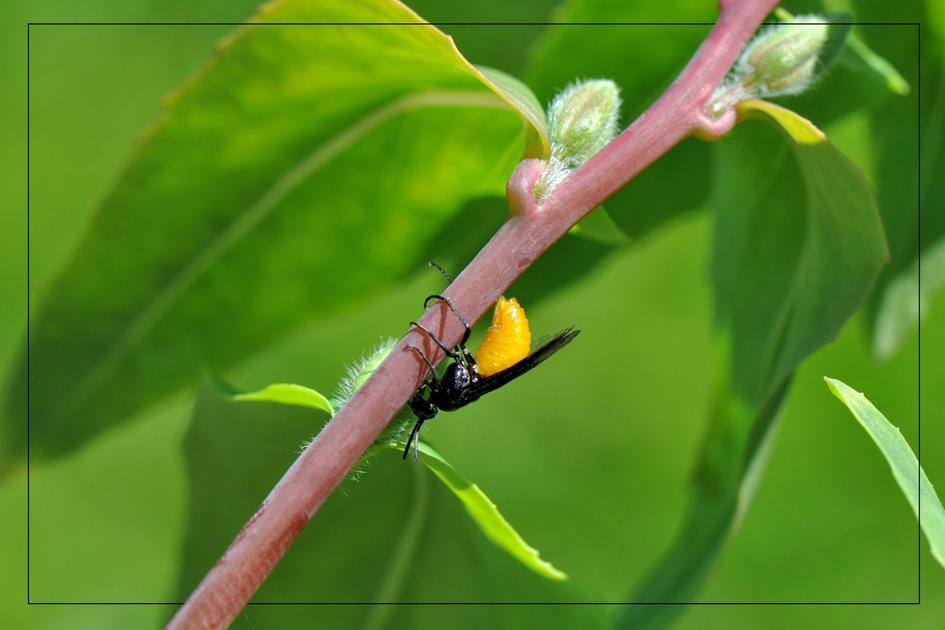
(582,119)
(354,378)
(783,59)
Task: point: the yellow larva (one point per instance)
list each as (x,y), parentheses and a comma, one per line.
(507,341)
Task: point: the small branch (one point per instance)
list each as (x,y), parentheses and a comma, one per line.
(529,231)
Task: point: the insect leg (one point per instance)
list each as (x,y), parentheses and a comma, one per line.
(449,352)
(458,315)
(433,377)
(423,414)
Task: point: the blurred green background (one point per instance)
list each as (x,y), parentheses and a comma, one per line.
(594,476)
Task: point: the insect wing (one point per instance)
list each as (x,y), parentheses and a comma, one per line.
(499,379)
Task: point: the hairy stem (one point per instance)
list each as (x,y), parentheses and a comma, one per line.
(530,230)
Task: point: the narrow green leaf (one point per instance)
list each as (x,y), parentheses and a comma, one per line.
(793,216)
(301,169)
(289,394)
(391,536)
(909,475)
(485,514)
(478,506)
(858,55)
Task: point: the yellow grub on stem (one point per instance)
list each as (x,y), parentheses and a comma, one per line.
(508,339)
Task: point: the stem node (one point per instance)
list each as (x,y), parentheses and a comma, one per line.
(518,190)
(710,128)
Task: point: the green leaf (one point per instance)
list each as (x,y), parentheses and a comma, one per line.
(909,475)
(485,513)
(281,184)
(289,394)
(521,98)
(479,507)
(788,227)
(384,538)
(794,216)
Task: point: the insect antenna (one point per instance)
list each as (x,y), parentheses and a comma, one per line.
(416,446)
(449,278)
(415,432)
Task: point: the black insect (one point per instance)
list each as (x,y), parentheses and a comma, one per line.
(461,382)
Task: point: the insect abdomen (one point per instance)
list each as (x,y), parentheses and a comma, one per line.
(508,339)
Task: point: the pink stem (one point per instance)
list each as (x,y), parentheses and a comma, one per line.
(519,242)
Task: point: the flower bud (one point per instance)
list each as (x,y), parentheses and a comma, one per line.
(581,120)
(783,59)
